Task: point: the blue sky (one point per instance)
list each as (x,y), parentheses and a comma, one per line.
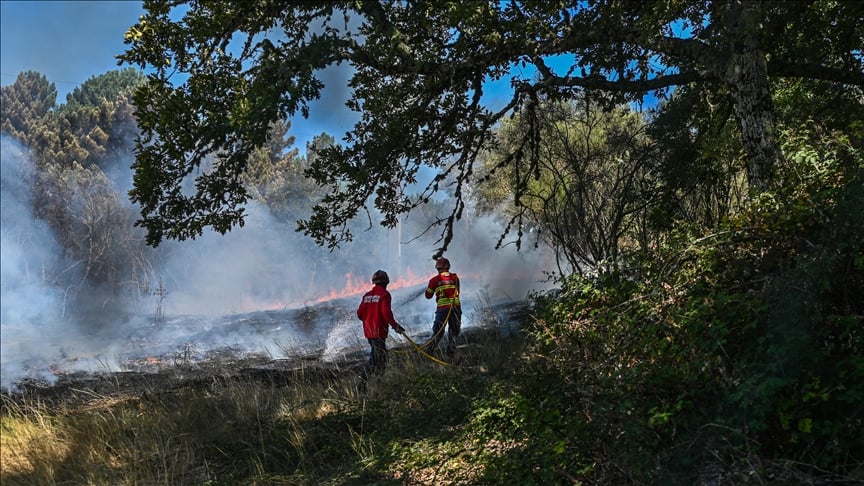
(71,41)
(67,41)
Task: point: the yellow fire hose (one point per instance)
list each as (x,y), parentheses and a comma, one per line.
(423,352)
(420,349)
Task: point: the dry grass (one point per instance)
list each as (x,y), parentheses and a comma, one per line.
(27,441)
(299,426)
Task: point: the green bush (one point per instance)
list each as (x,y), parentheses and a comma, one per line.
(727,349)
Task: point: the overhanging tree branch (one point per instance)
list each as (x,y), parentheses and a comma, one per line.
(415,65)
(598,82)
(815,71)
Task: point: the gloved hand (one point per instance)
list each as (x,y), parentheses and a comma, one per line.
(399,329)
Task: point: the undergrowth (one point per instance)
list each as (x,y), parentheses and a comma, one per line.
(734,356)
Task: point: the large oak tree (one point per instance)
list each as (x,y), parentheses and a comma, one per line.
(222,72)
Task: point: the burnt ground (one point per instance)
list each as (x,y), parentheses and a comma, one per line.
(157,375)
(80,388)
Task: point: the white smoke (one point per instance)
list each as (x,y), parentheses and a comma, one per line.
(29,303)
(246,289)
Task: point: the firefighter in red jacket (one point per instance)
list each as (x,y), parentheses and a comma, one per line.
(377,315)
(448,312)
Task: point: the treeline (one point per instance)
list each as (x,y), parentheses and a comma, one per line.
(66,156)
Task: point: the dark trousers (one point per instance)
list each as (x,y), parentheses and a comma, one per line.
(452,318)
(377,357)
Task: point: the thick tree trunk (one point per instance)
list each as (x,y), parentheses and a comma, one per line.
(746,75)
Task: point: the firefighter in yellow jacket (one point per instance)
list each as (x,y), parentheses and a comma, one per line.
(448,311)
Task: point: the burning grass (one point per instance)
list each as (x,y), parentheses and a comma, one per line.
(241,422)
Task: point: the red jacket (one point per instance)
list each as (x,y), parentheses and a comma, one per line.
(376,313)
(445,286)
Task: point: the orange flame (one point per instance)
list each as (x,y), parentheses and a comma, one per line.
(357,285)
(354,285)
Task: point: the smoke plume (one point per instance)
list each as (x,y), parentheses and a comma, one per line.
(261,287)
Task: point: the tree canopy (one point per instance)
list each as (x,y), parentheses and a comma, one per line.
(25,102)
(223,72)
(591,181)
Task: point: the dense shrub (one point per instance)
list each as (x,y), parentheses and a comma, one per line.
(733,353)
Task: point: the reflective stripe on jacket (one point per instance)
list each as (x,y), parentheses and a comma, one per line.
(445,287)
(376,313)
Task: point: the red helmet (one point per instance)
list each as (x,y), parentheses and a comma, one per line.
(380,277)
(442,264)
